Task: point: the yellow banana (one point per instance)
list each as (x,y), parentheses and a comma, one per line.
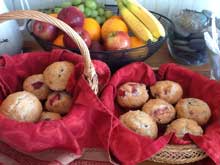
(146,17)
(136,26)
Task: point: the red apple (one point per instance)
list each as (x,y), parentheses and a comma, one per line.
(45,31)
(72,16)
(69,43)
(96,46)
(117,41)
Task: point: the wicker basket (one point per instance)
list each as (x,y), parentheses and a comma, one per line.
(172,154)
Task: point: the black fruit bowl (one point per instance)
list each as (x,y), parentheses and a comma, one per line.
(119,58)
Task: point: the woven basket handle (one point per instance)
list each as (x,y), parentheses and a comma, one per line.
(89,70)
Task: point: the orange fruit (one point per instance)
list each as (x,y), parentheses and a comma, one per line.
(112,25)
(115,16)
(59,40)
(136,42)
(93,28)
(53,15)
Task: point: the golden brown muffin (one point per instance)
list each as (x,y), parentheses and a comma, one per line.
(57,74)
(35,85)
(132,95)
(183,126)
(59,102)
(50,116)
(161,111)
(194,109)
(22,106)
(167,90)
(140,122)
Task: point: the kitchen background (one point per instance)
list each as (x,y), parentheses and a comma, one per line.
(166,7)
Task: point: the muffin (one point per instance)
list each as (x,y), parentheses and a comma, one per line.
(183,126)
(132,95)
(57,74)
(35,85)
(22,106)
(59,102)
(140,122)
(167,90)
(161,111)
(50,116)
(194,109)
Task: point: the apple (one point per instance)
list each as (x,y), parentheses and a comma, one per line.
(96,46)
(69,43)
(45,30)
(72,16)
(117,40)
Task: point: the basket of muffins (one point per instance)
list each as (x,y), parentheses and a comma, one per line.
(167,116)
(43,95)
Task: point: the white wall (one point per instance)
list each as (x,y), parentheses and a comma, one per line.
(165,7)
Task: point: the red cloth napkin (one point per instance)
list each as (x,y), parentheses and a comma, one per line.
(198,86)
(74,132)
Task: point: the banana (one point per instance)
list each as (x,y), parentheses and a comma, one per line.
(136,26)
(146,17)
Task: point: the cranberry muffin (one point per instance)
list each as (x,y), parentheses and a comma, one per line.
(183,126)
(50,116)
(140,122)
(167,90)
(161,111)
(132,95)
(35,85)
(22,106)
(194,109)
(59,102)
(57,74)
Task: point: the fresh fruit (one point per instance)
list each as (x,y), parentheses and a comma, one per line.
(96,46)
(91,4)
(146,17)
(101,11)
(93,28)
(66,4)
(69,43)
(112,25)
(87,11)
(136,26)
(57,9)
(59,40)
(94,13)
(108,13)
(81,7)
(136,42)
(76,2)
(45,31)
(117,41)
(72,16)
(53,15)
(115,16)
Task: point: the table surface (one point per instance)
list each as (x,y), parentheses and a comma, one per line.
(160,57)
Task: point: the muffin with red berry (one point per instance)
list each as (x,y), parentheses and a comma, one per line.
(59,102)
(35,85)
(132,95)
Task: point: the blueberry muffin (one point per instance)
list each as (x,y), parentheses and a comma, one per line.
(161,111)
(194,109)
(50,116)
(57,74)
(183,126)
(132,95)
(59,102)
(167,90)
(140,122)
(35,85)
(22,106)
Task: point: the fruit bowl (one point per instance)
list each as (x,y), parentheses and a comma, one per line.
(117,58)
